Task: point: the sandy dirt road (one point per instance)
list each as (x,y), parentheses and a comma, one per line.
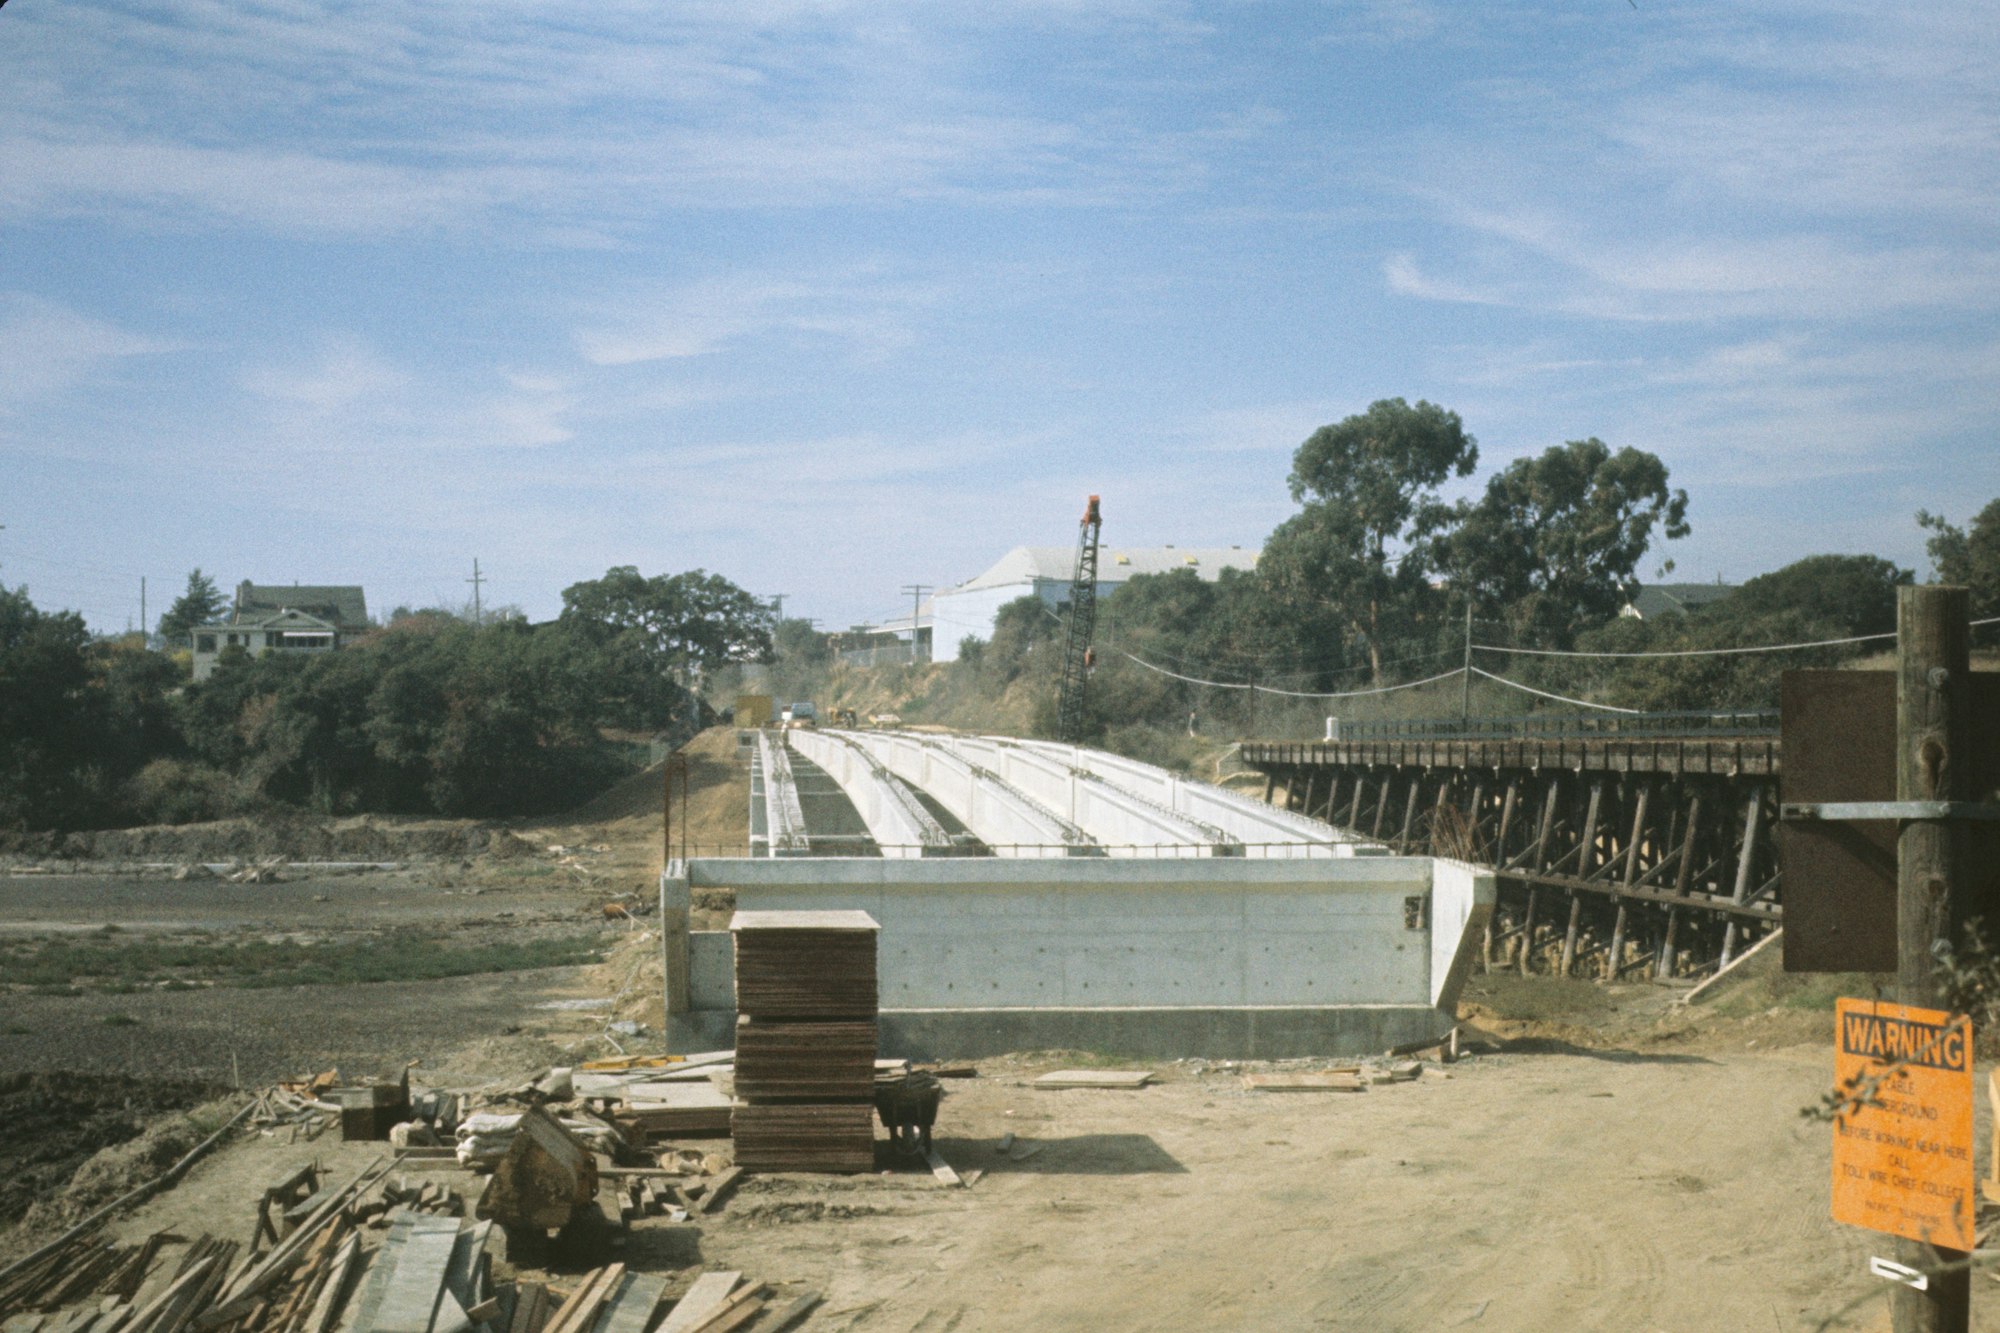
(1572,1189)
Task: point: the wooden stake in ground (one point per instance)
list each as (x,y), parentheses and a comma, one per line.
(1933,763)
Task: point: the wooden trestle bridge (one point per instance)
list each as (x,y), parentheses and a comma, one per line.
(1622,844)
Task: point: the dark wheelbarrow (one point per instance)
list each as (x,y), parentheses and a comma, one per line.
(907,1104)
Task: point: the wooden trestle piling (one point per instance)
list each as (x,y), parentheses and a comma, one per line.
(1644,854)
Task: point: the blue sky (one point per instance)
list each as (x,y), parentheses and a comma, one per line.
(831,298)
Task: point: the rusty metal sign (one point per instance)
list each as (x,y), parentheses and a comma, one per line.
(1838,738)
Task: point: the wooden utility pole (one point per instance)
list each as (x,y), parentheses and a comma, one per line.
(478,618)
(1465,691)
(1934,762)
(917,591)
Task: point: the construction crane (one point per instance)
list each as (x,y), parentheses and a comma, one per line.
(1078,655)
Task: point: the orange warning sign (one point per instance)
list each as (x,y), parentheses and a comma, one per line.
(1902,1149)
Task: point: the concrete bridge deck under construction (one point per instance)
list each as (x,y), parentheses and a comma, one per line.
(1081,899)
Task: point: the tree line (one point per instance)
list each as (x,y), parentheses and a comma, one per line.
(428,714)
(1371,584)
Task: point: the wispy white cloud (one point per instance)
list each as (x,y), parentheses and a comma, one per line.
(52,349)
(418,117)
(867,311)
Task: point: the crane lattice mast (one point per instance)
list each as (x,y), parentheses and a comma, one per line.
(1078,656)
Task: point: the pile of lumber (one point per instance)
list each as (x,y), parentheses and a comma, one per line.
(813,1137)
(169,1284)
(805,1041)
(612,1300)
(805,1059)
(429,1275)
(805,964)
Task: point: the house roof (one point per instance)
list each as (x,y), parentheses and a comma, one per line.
(297,621)
(1676,599)
(1115,564)
(343,604)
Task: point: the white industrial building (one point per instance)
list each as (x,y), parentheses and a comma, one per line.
(968,610)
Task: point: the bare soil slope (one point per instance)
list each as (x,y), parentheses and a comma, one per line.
(627,818)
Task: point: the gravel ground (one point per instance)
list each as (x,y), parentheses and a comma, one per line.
(223,1033)
(73,902)
(365,1030)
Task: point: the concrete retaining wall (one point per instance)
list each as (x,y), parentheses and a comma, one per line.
(1163,958)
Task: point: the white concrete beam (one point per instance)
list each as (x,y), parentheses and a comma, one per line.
(784,820)
(1265,830)
(1006,819)
(1125,823)
(896,819)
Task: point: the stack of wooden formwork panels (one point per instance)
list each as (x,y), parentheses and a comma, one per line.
(805,1041)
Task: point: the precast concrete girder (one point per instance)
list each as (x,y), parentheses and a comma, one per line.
(896,819)
(1006,819)
(784,820)
(1264,830)
(1125,823)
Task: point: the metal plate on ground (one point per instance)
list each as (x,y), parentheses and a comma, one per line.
(1839,744)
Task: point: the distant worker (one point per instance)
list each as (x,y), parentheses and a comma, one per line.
(1190,722)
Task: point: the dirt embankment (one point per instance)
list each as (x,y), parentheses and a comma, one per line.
(712,820)
(296,837)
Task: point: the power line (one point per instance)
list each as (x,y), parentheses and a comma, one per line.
(1709,652)
(1289,694)
(1117,642)
(1560,698)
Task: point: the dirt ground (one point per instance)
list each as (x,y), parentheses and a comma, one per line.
(1667,1183)
(1609,1159)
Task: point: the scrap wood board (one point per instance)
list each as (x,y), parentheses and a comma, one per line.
(1342,1081)
(709,1291)
(1902,1149)
(1095,1078)
(675,1096)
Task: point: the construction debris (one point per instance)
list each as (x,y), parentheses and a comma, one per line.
(670,1110)
(1346,1080)
(269,870)
(485,1137)
(547,1178)
(1094,1078)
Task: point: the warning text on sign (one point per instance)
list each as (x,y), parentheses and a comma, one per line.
(1902,1148)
